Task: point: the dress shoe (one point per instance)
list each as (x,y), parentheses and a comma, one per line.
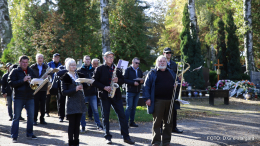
(10,119)
(176,130)
(83,130)
(108,141)
(35,123)
(129,141)
(61,120)
(14,140)
(100,127)
(47,115)
(43,122)
(133,124)
(21,118)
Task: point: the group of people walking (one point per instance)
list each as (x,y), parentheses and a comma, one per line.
(72,95)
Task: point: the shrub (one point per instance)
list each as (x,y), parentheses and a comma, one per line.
(213,78)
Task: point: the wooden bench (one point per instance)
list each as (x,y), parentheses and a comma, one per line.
(219,93)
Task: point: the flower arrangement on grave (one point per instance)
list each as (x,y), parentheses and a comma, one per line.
(185,85)
(210,88)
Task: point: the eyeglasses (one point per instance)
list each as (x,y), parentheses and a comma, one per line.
(168,52)
(110,57)
(137,63)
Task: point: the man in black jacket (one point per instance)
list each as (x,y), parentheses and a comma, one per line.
(90,94)
(7,91)
(167,52)
(103,78)
(133,87)
(39,69)
(19,79)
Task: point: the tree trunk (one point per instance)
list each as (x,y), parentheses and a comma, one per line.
(248,37)
(5,25)
(104,26)
(193,18)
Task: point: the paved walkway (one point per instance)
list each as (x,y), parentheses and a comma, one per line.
(229,129)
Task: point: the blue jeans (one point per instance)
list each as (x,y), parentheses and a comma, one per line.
(18,106)
(92,100)
(9,107)
(131,103)
(119,109)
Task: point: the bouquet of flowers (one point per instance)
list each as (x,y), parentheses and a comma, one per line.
(210,88)
(185,84)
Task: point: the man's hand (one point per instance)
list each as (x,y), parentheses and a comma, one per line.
(115,79)
(148,102)
(27,78)
(136,83)
(142,81)
(4,95)
(107,88)
(79,87)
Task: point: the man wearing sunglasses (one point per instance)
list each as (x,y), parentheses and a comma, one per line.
(133,79)
(167,52)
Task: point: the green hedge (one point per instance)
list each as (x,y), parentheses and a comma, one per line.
(213,78)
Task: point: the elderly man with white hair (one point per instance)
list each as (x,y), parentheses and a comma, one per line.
(158,90)
(39,69)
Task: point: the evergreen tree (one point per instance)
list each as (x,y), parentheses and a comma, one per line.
(191,52)
(233,55)
(82,17)
(127,32)
(221,48)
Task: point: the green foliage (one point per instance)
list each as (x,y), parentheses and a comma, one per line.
(82,17)
(232,52)
(256,31)
(191,52)
(127,33)
(221,49)
(213,78)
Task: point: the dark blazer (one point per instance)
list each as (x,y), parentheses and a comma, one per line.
(88,73)
(129,77)
(101,76)
(5,86)
(75,102)
(35,69)
(173,66)
(22,90)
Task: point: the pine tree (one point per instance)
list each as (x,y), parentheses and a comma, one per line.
(221,48)
(127,32)
(191,52)
(233,55)
(185,38)
(83,17)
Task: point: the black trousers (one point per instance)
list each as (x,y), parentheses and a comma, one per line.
(39,103)
(174,117)
(61,105)
(74,124)
(47,103)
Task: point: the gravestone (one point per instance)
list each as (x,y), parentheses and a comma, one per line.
(206,76)
(255,78)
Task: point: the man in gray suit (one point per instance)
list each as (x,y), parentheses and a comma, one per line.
(167,52)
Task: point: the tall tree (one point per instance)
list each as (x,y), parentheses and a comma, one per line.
(191,51)
(5,25)
(105,26)
(256,31)
(128,32)
(233,54)
(221,48)
(193,18)
(248,37)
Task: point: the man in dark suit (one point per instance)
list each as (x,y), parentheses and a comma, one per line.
(167,52)
(103,76)
(39,69)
